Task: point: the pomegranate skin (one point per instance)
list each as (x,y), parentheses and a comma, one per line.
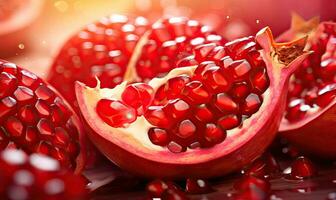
(240,148)
(313,134)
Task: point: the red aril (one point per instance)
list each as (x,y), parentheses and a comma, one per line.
(302,168)
(104,49)
(307,122)
(35,118)
(37,177)
(170,141)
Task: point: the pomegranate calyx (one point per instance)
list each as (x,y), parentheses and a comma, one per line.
(285,54)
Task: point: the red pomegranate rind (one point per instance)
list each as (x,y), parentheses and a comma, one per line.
(168,41)
(311,100)
(241,145)
(102,50)
(35,118)
(37,177)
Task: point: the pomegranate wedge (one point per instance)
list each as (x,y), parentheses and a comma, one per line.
(311,110)
(204,120)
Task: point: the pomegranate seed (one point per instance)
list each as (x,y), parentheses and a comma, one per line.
(8,84)
(239,69)
(198,186)
(28,78)
(175,86)
(3,139)
(14,127)
(27,114)
(61,137)
(138,95)
(251,104)
(215,80)
(157,117)
(296,110)
(115,113)
(10,68)
(175,148)
(240,90)
(229,122)
(186,129)
(201,68)
(259,81)
(225,103)
(302,167)
(23,94)
(7,105)
(203,113)
(202,51)
(45,128)
(44,93)
(326,95)
(214,134)
(177,108)
(42,108)
(196,93)
(31,136)
(158,136)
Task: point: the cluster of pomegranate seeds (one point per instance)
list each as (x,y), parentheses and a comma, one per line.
(302,168)
(314,83)
(37,177)
(100,50)
(226,88)
(169,41)
(34,118)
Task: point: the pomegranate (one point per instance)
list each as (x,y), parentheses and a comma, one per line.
(311,100)
(104,49)
(35,118)
(37,177)
(207,118)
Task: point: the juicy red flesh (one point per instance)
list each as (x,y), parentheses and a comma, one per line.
(101,50)
(104,49)
(169,41)
(139,96)
(314,84)
(34,117)
(37,177)
(197,111)
(115,113)
(264,167)
(302,168)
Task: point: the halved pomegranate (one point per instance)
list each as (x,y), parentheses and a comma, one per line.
(35,118)
(104,49)
(207,118)
(311,109)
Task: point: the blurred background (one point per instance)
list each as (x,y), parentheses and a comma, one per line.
(32,31)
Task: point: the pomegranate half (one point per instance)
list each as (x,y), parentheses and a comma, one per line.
(311,104)
(164,139)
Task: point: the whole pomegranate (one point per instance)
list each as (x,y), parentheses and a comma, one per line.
(212,113)
(104,49)
(37,177)
(35,118)
(311,102)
